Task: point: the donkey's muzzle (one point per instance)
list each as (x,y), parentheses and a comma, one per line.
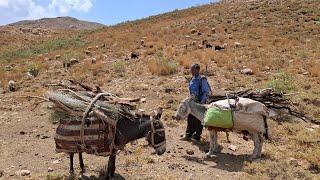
(160,150)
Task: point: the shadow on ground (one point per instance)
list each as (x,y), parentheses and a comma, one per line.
(101,177)
(227,162)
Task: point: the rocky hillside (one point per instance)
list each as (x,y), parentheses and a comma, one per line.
(62,23)
(243,44)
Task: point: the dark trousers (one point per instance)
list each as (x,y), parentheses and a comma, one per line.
(194,127)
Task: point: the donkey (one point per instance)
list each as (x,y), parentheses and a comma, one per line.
(150,127)
(253,121)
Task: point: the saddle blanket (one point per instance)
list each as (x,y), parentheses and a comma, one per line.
(221,118)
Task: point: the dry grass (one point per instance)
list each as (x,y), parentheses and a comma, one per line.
(161,65)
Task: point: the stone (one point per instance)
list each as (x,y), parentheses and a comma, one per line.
(247,71)
(50,169)
(190,152)
(310,129)
(233,147)
(8,68)
(305,73)
(22,133)
(193,31)
(213,30)
(143,100)
(88,52)
(56,161)
(11,86)
(57,56)
(237,44)
(187,36)
(23,173)
(315,126)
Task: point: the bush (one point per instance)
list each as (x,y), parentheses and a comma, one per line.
(161,65)
(282,82)
(33,70)
(119,67)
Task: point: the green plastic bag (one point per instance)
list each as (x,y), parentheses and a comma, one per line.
(220,118)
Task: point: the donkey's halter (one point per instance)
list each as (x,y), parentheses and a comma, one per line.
(155,131)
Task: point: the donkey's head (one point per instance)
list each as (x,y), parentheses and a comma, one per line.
(184,109)
(156,135)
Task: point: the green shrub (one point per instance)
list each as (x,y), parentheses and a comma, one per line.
(34,70)
(119,67)
(282,82)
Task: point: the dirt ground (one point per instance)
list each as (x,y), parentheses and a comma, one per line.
(26,140)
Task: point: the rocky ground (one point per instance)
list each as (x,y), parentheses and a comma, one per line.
(255,44)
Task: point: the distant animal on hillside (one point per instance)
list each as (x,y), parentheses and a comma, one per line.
(134,55)
(250,118)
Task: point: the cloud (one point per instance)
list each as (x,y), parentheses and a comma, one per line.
(15,10)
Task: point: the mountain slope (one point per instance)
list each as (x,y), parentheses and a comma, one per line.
(66,23)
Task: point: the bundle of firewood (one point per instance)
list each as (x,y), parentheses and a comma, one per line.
(269,97)
(81,100)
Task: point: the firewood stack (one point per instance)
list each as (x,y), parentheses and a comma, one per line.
(269,97)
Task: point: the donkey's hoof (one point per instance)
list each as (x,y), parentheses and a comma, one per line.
(208,155)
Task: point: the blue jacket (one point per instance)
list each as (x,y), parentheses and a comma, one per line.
(195,88)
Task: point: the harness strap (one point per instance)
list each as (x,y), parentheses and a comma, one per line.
(153,131)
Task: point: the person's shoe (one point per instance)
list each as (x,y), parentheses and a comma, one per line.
(186,138)
(196,139)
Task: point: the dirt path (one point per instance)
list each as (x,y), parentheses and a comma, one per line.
(26,143)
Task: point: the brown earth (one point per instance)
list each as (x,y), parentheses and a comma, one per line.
(279,42)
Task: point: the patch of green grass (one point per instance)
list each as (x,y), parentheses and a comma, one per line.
(317,18)
(45,47)
(119,67)
(282,82)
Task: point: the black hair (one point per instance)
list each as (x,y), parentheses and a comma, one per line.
(196,66)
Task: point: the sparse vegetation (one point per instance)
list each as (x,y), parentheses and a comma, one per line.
(56,44)
(282,82)
(161,65)
(119,67)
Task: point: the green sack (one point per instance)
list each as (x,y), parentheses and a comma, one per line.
(220,118)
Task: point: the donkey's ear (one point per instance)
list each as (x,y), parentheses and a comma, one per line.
(158,113)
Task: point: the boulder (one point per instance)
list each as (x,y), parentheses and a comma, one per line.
(12,86)
(23,173)
(193,31)
(233,147)
(247,71)
(213,30)
(237,45)
(57,56)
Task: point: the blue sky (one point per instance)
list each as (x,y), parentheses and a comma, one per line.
(102,11)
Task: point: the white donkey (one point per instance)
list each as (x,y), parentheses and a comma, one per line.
(250,116)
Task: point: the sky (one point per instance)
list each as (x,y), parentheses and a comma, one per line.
(103,11)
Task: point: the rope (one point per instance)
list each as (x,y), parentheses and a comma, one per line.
(85,116)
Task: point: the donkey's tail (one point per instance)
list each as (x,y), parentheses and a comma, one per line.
(266,135)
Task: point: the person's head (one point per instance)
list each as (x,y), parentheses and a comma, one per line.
(195,69)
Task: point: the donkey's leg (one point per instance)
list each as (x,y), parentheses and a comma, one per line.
(260,144)
(213,142)
(71,171)
(81,163)
(111,165)
(227,134)
(256,141)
